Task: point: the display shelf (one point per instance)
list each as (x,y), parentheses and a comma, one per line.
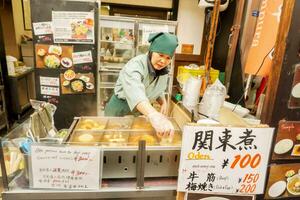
(116,35)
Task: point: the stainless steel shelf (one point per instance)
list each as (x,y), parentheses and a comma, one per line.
(159,193)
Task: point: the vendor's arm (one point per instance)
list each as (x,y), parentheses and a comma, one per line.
(163,104)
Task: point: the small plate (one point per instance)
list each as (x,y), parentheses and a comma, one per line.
(291,184)
(214,198)
(277,189)
(69,74)
(283,146)
(66,62)
(296,150)
(296,91)
(90,86)
(53,49)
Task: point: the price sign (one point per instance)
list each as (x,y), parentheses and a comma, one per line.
(224,159)
(62,167)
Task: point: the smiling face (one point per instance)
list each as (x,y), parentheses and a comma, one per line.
(160,61)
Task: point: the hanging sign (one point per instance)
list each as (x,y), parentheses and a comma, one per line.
(62,167)
(73,27)
(224,159)
(264,40)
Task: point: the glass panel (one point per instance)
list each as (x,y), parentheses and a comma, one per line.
(117,43)
(105,94)
(108,77)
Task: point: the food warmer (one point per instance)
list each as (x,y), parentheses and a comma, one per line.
(120,138)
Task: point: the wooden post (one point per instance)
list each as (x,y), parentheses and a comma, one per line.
(232,41)
(211,43)
(281,76)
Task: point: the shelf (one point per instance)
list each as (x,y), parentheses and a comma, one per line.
(107,85)
(117,42)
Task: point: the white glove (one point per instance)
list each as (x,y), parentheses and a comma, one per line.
(163,127)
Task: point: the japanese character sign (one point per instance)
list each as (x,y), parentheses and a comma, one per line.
(224,159)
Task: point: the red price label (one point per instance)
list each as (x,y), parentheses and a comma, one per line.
(249,183)
(244,161)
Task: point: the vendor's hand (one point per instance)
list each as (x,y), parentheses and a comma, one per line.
(163,127)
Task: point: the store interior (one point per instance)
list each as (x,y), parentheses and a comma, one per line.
(236,65)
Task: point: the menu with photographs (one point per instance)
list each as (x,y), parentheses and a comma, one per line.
(294,101)
(62,167)
(284,182)
(287,143)
(227,160)
(65,50)
(73,27)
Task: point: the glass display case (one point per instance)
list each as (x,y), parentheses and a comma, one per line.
(120,136)
(122,38)
(123,160)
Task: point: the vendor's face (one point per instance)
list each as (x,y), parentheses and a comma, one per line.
(160,61)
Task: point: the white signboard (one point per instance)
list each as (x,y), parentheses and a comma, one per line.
(51,81)
(148,29)
(53,91)
(82,57)
(224,159)
(73,27)
(65,167)
(42,28)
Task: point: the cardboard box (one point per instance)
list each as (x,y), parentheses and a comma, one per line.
(28,60)
(27,49)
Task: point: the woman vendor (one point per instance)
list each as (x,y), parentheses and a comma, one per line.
(143,80)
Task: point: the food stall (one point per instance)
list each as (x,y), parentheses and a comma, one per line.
(127,160)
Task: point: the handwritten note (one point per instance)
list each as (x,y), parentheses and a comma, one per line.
(224,159)
(65,167)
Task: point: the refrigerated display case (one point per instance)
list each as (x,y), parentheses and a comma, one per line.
(123,38)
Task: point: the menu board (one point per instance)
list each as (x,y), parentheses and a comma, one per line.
(287,143)
(62,167)
(65,49)
(294,101)
(73,27)
(224,160)
(284,182)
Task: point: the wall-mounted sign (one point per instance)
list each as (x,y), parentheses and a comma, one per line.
(51,81)
(224,159)
(73,27)
(82,57)
(42,28)
(47,90)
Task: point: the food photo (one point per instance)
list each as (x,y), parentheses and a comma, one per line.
(53,56)
(77,83)
(284,181)
(287,143)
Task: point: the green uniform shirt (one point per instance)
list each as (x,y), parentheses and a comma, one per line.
(136,83)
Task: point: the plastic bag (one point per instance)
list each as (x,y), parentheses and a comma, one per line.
(212,100)
(191,92)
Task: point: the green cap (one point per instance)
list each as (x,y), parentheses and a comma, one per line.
(163,42)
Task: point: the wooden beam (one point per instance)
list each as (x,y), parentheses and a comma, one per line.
(277,63)
(233,40)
